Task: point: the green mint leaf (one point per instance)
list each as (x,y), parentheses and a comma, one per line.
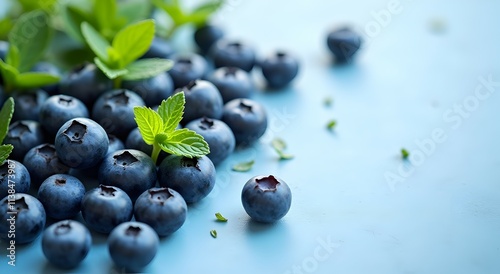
(202,13)
(96,42)
(104,12)
(185,142)
(220,217)
(6,25)
(331,124)
(5,116)
(35,79)
(405,153)
(134,10)
(13,56)
(73,18)
(171,111)
(147,68)
(243,166)
(134,40)
(285,156)
(173,9)
(5,151)
(9,74)
(149,123)
(31,35)
(110,73)
(278,144)
(213,233)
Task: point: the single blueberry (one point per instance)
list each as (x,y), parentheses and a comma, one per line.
(24,135)
(232,83)
(58,109)
(227,53)
(187,67)
(42,161)
(343,44)
(14,178)
(27,104)
(247,119)
(279,69)
(61,196)
(206,35)
(202,99)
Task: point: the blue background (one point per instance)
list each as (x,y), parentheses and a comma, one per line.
(346,217)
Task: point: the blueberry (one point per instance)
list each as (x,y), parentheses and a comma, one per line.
(42,161)
(193,178)
(187,67)
(85,82)
(163,209)
(49,68)
(114,111)
(4,49)
(202,99)
(217,134)
(344,43)
(66,243)
(105,207)
(206,35)
(238,54)
(246,118)
(266,198)
(279,69)
(232,83)
(24,135)
(58,109)
(14,178)
(131,170)
(81,143)
(27,104)
(133,245)
(152,90)
(61,196)
(22,218)
(160,48)
(115,144)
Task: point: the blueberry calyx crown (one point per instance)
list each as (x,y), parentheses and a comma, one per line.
(160,195)
(47,151)
(281,55)
(133,231)
(76,132)
(120,98)
(190,162)
(184,64)
(19,205)
(63,228)
(206,123)
(235,47)
(60,181)
(18,129)
(269,183)
(230,71)
(107,191)
(29,99)
(190,85)
(245,107)
(125,159)
(65,100)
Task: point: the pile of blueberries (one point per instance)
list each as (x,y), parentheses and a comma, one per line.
(68,135)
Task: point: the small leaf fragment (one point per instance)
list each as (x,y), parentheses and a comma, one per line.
(213,232)
(243,166)
(331,124)
(405,153)
(220,217)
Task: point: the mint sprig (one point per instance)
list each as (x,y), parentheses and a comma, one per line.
(118,60)
(159,129)
(180,16)
(25,49)
(5,116)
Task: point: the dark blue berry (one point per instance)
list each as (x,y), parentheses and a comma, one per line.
(58,109)
(246,118)
(187,67)
(24,135)
(14,178)
(152,90)
(232,83)
(206,35)
(279,69)
(159,48)
(344,43)
(42,161)
(226,53)
(61,196)
(202,99)
(27,104)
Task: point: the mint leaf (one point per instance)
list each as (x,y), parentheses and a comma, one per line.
(149,123)
(31,35)
(185,142)
(331,124)
(284,156)
(96,42)
(13,56)
(110,73)
(200,14)
(147,68)
(220,217)
(105,12)
(134,40)
(5,151)
(405,153)
(5,116)
(134,10)
(9,74)
(73,18)
(171,111)
(213,233)
(279,145)
(35,79)
(243,166)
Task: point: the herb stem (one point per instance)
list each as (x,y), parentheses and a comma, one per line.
(155,152)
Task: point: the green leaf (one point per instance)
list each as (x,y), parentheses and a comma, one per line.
(5,151)
(149,123)
(9,74)
(202,13)
(5,116)
(405,153)
(331,124)
(278,144)
(96,42)
(73,18)
(171,111)
(134,10)
(243,166)
(5,27)
(185,142)
(173,9)
(213,233)
(147,68)
(35,79)
(104,12)
(110,73)
(31,35)
(134,40)
(284,156)
(13,56)
(220,217)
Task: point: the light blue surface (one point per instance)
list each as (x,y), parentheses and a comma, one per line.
(442,218)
